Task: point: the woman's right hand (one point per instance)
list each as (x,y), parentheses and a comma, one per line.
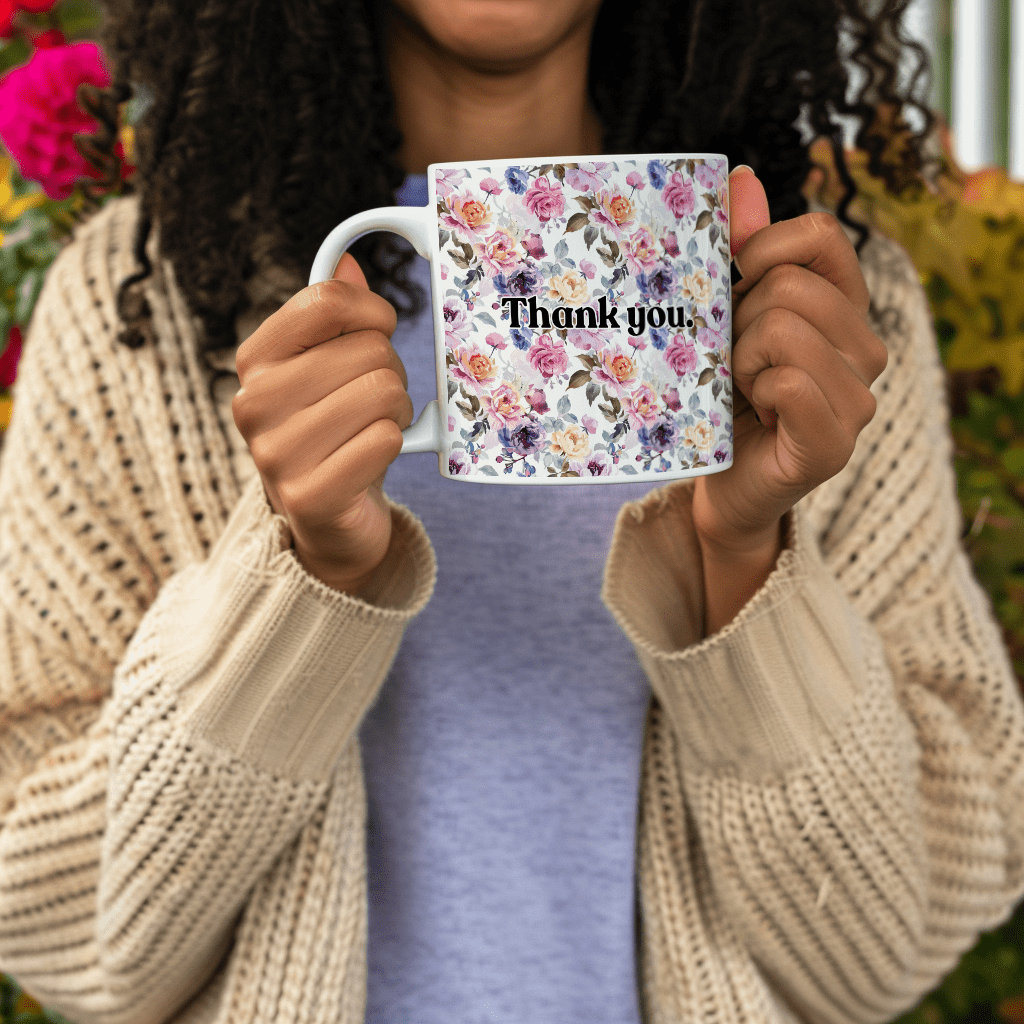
(322,404)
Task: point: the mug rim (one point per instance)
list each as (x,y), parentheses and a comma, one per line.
(606,157)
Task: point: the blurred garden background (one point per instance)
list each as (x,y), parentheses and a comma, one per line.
(965,235)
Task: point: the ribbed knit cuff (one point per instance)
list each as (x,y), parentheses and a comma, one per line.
(270,664)
(758,697)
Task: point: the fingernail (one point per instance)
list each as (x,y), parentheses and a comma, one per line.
(735,274)
(745,167)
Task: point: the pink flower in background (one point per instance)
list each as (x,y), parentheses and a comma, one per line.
(39,115)
(9,360)
(545,200)
(587,176)
(670,244)
(490,186)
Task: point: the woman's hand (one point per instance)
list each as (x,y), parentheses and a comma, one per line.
(322,405)
(804,359)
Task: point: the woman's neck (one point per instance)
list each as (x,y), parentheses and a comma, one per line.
(451,109)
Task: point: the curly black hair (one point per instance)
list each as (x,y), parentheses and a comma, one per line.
(271,121)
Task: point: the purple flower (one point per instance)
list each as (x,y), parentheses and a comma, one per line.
(525,281)
(658,173)
(659,437)
(597,464)
(521,337)
(718,311)
(706,175)
(721,455)
(517,180)
(659,337)
(662,283)
(457,463)
(523,439)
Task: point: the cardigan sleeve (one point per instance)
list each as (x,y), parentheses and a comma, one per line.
(850,748)
(167,733)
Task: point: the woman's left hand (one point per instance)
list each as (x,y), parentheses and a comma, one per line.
(804,358)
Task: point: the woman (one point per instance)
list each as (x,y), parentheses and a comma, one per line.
(252,775)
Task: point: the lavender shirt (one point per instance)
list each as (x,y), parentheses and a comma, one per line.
(502,756)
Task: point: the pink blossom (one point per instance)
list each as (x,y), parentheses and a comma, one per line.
(534,245)
(639,251)
(545,200)
(670,244)
(448,179)
(709,338)
(39,115)
(671,399)
(586,339)
(588,269)
(496,340)
(538,401)
(456,321)
(587,177)
(642,406)
(678,195)
(503,405)
(490,186)
(497,252)
(589,424)
(681,355)
(466,214)
(548,355)
(615,368)
(634,179)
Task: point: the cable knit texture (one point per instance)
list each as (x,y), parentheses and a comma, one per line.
(832,806)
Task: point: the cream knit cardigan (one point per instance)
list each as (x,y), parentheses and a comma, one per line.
(832,805)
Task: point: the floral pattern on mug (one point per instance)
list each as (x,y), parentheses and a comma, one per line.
(587,317)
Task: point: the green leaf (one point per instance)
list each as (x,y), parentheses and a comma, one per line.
(1013,460)
(577,221)
(706,376)
(579,378)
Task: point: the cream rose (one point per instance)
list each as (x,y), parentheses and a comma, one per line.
(570,287)
(698,287)
(573,442)
(701,436)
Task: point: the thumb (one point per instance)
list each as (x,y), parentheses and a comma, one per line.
(348,270)
(748,207)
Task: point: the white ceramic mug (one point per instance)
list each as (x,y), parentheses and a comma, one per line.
(582,316)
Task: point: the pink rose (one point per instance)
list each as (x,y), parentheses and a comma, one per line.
(473,366)
(538,401)
(681,355)
(490,186)
(466,214)
(615,369)
(670,244)
(634,179)
(544,199)
(533,245)
(39,115)
(588,269)
(497,252)
(503,405)
(671,399)
(548,356)
(678,195)
(642,406)
(639,251)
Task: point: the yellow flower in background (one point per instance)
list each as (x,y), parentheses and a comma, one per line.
(966,238)
(12,208)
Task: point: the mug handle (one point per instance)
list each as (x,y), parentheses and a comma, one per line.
(414,224)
